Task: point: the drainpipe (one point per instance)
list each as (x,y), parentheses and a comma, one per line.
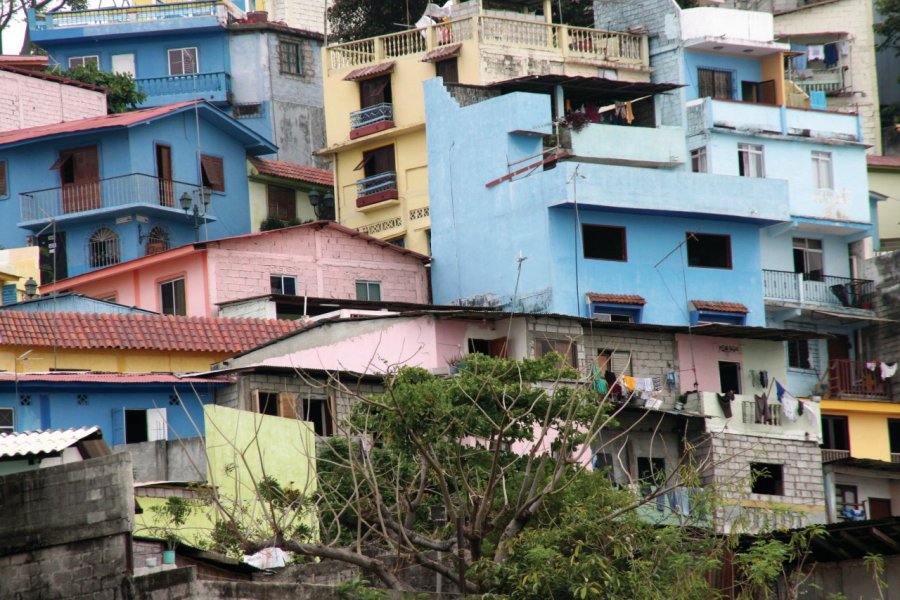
(830,514)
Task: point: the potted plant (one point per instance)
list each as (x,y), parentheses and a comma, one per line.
(170,518)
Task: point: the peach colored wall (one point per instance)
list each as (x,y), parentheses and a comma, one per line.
(707,352)
(28,101)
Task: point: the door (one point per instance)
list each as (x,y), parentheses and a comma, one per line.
(164,175)
(79,175)
(118,427)
(879,508)
(157,427)
(123,63)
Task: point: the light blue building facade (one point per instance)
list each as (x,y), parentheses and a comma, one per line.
(105,190)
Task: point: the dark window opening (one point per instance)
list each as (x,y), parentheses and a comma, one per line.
(798,354)
(766,478)
(715,83)
(282,202)
(709,251)
(283,284)
(268,403)
(758,92)
(496,347)
(447,69)
(4,184)
(809,258)
(894,433)
(375,91)
(602,242)
(136,426)
(730,377)
(651,471)
(318,412)
(377,161)
(172,293)
(7,420)
(290,59)
(53,262)
(835,433)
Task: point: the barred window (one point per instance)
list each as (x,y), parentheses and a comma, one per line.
(103,248)
(290,59)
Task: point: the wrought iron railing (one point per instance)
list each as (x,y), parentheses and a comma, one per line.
(814,288)
(626,49)
(376,184)
(46,204)
(135,14)
(199,83)
(371,115)
(857,379)
(829,454)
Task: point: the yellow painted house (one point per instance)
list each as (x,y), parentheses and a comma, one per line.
(374,103)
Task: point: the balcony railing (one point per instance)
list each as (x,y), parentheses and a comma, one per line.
(72,199)
(376,184)
(626,49)
(371,115)
(819,289)
(135,14)
(855,378)
(829,455)
(202,84)
(818,80)
(772,416)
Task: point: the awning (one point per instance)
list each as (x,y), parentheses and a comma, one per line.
(853,317)
(371,71)
(442,53)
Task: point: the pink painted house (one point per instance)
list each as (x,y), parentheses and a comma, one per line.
(320,259)
(29,98)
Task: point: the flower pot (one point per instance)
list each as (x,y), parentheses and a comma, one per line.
(168,557)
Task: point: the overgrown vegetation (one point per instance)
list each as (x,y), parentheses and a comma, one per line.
(122,93)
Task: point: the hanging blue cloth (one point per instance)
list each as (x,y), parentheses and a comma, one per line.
(817,100)
(799,61)
(831,55)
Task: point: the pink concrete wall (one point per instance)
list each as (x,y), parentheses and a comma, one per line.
(707,352)
(28,102)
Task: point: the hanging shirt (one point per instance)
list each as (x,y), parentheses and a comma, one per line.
(816,52)
(887,371)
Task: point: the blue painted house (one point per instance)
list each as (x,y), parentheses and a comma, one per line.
(103,190)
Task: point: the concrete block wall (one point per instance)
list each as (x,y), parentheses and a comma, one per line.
(27,101)
(66,530)
(308,15)
(167,460)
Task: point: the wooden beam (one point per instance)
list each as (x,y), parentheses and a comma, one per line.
(888,540)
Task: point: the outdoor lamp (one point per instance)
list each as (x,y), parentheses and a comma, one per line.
(31,287)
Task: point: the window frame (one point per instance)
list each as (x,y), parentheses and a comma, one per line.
(795,354)
(699,160)
(597,229)
(384,95)
(828,432)
(196,70)
(282,278)
(696,238)
(823,167)
(803,246)
(369,285)
(11,428)
(286,66)
(84,60)
(751,157)
(212,172)
(732,84)
(448,66)
(567,348)
(104,252)
(775,474)
(173,281)
(273,201)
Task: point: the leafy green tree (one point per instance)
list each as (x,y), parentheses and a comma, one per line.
(889,27)
(122,93)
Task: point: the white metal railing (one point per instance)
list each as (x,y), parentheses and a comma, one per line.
(221,9)
(819,289)
(607,46)
(372,114)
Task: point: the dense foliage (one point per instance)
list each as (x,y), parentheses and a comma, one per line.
(122,94)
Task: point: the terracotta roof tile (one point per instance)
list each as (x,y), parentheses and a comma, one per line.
(442,53)
(370,71)
(130,331)
(729,307)
(883,161)
(616,298)
(289,170)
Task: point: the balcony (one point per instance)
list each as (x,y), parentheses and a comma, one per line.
(732,115)
(214,87)
(853,379)
(824,290)
(371,119)
(830,455)
(744,419)
(376,189)
(72,201)
(829,81)
(542,41)
(628,145)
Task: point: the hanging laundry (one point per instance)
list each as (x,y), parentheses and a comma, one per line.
(831,55)
(816,52)
(762,408)
(788,402)
(600,384)
(888,370)
(670,378)
(764,379)
(629,114)
(628,383)
(812,414)
(845,48)
(725,401)
(871,365)
(799,61)
(568,105)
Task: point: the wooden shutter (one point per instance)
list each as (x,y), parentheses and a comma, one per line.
(282,202)
(287,405)
(254,400)
(498,348)
(4,185)
(213,172)
(374,91)
(382,161)
(767,92)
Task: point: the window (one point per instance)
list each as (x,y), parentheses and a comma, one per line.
(103,248)
(568,349)
(318,412)
(7,420)
(848,505)
(183,61)
(750,160)
(157,240)
(715,83)
(275,404)
(618,362)
(290,58)
(400,241)
(758,92)
(172,297)
(448,70)
(377,161)
(147,425)
(808,258)
(83,61)
(698,160)
(495,347)
(268,403)
(368,290)
(835,433)
(616,313)
(707,250)
(729,376)
(823,177)
(375,91)
(282,202)
(212,170)
(601,242)
(799,356)
(4,180)
(10,293)
(894,435)
(766,478)
(283,284)
(651,471)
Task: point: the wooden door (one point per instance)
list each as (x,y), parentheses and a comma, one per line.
(79,172)
(164,175)
(879,508)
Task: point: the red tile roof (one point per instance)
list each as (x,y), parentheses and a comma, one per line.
(289,170)
(442,53)
(372,71)
(128,331)
(92,123)
(616,298)
(883,161)
(91,377)
(729,307)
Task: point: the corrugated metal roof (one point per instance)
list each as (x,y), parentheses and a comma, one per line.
(27,443)
(92,377)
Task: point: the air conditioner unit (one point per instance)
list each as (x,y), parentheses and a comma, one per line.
(603,317)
